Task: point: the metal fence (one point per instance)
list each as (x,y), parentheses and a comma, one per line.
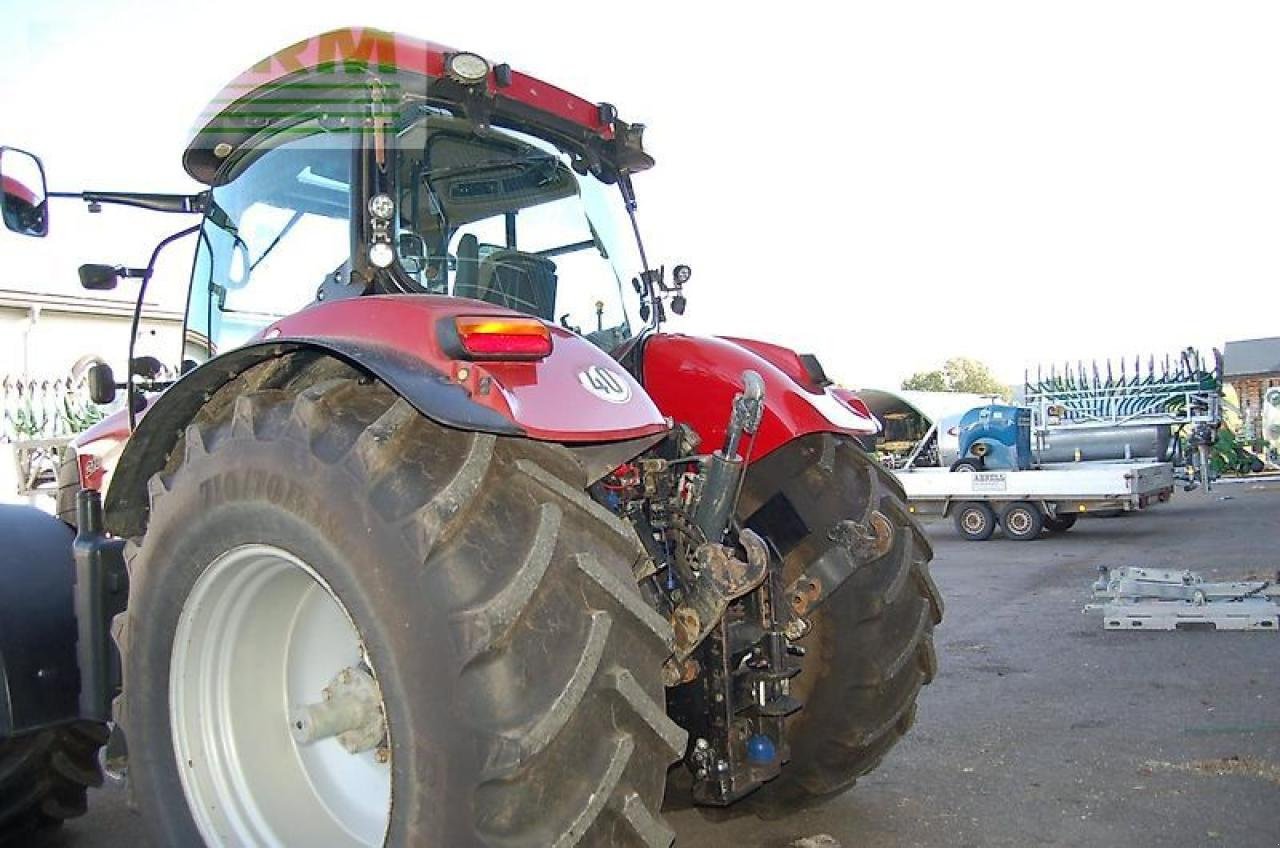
(44,408)
(38,417)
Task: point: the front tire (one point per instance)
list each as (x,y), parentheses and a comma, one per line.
(870,650)
(492,602)
(45,777)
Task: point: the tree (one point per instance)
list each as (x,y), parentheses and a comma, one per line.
(958,374)
(927,381)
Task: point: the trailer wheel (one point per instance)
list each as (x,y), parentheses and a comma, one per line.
(975,521)
(352,626)
(45,777)
(870,650)
(969,464)
(1022,521)
(1059,523)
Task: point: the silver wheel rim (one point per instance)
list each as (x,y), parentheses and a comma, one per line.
(974,521)
(260,635)
(1019,521)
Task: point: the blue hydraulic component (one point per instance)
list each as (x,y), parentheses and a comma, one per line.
(760,749)
(999,434)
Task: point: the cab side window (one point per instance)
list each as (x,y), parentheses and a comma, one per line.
(270,237)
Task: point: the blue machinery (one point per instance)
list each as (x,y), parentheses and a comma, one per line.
(1086,414)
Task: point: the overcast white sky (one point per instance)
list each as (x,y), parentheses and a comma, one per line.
(884,184)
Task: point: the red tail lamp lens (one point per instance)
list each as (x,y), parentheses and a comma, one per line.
(504,338)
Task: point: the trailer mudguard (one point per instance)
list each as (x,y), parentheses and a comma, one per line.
(693,380)
(577,396)
(39,678)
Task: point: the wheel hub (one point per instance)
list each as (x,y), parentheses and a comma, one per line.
(276,716)
(351,710)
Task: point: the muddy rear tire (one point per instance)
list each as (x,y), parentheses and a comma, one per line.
(518,666)
(871,647)
(45,777)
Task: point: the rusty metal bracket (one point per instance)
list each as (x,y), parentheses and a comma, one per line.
(856,544)
(721,577)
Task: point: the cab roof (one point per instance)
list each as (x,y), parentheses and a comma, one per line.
(334,77)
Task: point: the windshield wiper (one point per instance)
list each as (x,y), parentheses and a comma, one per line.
(297,216)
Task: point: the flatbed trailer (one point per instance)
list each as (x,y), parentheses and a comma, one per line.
(1026,503)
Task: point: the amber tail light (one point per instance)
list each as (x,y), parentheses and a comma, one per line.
(502,338)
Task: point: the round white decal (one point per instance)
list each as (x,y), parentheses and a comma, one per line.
(605,384)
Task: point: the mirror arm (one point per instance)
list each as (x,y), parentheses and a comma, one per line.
(182,203)
(137,317)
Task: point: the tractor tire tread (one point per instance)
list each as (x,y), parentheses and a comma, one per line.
(576,752)
(45,777)
(871,649)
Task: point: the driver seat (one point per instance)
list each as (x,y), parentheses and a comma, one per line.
(521,281)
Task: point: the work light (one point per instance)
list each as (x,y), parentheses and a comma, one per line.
(466,68)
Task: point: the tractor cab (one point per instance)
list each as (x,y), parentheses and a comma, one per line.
(411,169)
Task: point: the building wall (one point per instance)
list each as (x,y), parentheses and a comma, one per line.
(48,339)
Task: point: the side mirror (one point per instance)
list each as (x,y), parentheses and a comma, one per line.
(24,201)
(106,277)
(102,383)
(99,277)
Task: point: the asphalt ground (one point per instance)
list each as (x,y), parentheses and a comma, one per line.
(1042,728)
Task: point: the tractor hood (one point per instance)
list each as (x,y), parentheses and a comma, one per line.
(340,76)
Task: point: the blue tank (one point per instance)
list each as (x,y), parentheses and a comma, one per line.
(999,434)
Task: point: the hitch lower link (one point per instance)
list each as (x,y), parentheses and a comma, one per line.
(856,544)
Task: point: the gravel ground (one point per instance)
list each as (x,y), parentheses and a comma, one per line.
(1042,729)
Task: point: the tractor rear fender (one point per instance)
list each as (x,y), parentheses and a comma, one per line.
(577,396)
(39,678)
(693,380)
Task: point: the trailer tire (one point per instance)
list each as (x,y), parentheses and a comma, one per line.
(492,601)
(975,521)
(1022,521)
(970,464)
(870,649)
(45,777)
(1059,523)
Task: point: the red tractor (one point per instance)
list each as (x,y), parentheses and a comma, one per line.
(435,538)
